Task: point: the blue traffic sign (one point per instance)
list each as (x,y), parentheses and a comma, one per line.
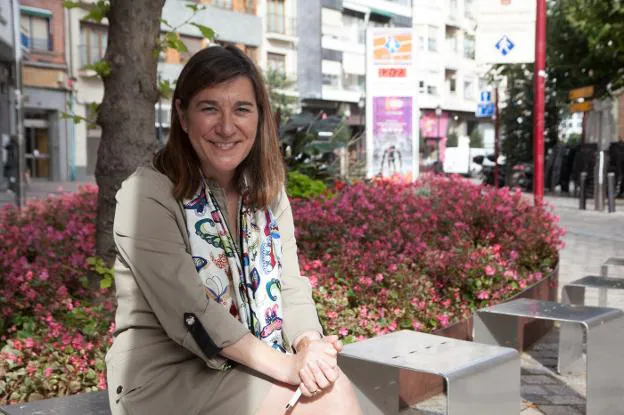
(484,110)
(485,96)
(505,45)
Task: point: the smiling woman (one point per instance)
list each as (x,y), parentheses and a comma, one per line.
(211,303)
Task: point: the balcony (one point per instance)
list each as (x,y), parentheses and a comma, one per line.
(248,6)
(36,43)
(280,26)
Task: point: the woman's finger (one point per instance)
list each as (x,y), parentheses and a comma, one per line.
(305,391)
(331,373)
(307,378)
(319,375)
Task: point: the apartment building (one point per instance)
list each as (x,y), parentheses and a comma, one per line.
(46,90)
(8,14)
(235,22)
(332,51)
(448,77)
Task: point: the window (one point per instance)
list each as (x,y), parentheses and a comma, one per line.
(223,4)
(353,82)
(469,46)
(331,80)
(276,18)
(453,9)
(452,85)
(93,40)
(469,93)
(433,39)
(276,62)
(35,32)
(469,9)
(432,90)
(452,43)
(421,87)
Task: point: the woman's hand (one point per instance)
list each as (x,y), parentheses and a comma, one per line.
(316,364)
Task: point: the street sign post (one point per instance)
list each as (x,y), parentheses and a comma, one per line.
(584,106)
(584,92)
(485,107)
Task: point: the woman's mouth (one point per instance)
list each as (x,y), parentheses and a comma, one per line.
(224,146)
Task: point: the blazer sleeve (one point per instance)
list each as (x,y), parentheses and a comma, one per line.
(299,310)
(150,242)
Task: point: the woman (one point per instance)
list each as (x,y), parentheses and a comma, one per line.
(213,316)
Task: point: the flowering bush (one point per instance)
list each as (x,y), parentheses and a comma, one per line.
(381,256)
(52,326)
(393,255)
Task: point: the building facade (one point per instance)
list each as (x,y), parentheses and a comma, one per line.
(8,15)
(332,51)
(448,77)
(48,137)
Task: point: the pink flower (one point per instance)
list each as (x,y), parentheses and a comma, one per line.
(29,343)
(417,325)
(379,277)
(489,270)
(48,372)
(343,331)
(443,319)
(483,295)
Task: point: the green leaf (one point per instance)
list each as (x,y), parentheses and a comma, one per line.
(206,32)
(165,87)
(106,283)
(98,12)
(71,4)
(102,68)
(174,42)
(193,7)
(165,22)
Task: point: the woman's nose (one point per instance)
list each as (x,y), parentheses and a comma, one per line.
(226,124)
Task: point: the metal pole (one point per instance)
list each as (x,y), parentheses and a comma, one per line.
(20,196)
(160,129)
(611,191)
(538,110)
(582,190)
(496,138)
(599,189)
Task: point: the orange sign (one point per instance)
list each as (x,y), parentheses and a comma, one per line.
(584,92)
(581,106)
(392,72)
(392,49)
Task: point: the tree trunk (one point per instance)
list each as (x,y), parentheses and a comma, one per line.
(126,114)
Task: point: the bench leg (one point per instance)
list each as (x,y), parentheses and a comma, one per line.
(376,386)
(573,295)
(605,360)
(570,356)
(492,390)
(602,292)
(498,330)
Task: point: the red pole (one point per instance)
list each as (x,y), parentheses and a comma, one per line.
(496,138)
(538,110)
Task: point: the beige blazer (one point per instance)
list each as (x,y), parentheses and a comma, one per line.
(163,319)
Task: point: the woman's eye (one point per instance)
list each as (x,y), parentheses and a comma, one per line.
(244,109)
(208,109)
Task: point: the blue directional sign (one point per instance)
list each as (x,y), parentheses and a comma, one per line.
(392,44)
(485,110)
(505,45)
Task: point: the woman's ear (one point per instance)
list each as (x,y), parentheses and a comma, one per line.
(181,115)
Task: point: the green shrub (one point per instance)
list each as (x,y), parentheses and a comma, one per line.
(301,186)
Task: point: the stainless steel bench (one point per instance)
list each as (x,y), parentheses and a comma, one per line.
(480,379)
(603,328)
(92,403)
(574,292)
(604,271)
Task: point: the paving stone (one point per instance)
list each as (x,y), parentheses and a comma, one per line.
(531,411)
(539,380)
(566,400)
(534,390)
(561,410)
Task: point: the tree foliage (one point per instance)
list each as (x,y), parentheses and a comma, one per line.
(281,102)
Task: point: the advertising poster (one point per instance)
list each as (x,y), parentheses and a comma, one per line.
(392,136)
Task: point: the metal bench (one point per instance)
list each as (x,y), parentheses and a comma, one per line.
(604,271)
(92,403)
(480,379)
(574,292)
(604,331)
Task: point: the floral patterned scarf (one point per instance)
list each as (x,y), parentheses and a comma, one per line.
(245,281)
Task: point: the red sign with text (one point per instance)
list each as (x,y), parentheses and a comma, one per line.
(392,72)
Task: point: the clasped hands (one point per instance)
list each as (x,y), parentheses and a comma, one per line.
(315,365)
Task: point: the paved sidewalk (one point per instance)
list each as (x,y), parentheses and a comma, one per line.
(592,237)
(39,189)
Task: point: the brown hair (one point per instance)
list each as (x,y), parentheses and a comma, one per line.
(263,168)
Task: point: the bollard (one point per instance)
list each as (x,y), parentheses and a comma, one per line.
(582,190)
(611,191)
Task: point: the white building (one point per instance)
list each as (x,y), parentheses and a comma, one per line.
(447,70)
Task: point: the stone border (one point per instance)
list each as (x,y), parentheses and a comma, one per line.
(417,387)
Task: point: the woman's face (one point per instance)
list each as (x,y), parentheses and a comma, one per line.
(221,122)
